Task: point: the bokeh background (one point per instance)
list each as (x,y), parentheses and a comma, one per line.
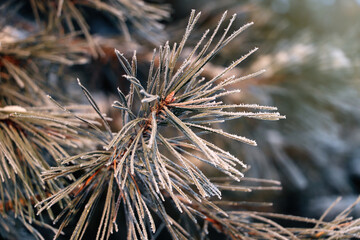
(311,51)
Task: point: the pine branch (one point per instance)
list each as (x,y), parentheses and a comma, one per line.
(168,127)
(141,166)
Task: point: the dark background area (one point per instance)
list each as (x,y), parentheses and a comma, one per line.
(311,54)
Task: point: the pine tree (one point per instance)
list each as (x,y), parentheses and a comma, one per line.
(64,164)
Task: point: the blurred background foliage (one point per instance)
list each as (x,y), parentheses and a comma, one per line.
(309,48)
(311,54)
(312,58)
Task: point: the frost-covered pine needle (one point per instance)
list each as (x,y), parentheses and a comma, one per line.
(154,158)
